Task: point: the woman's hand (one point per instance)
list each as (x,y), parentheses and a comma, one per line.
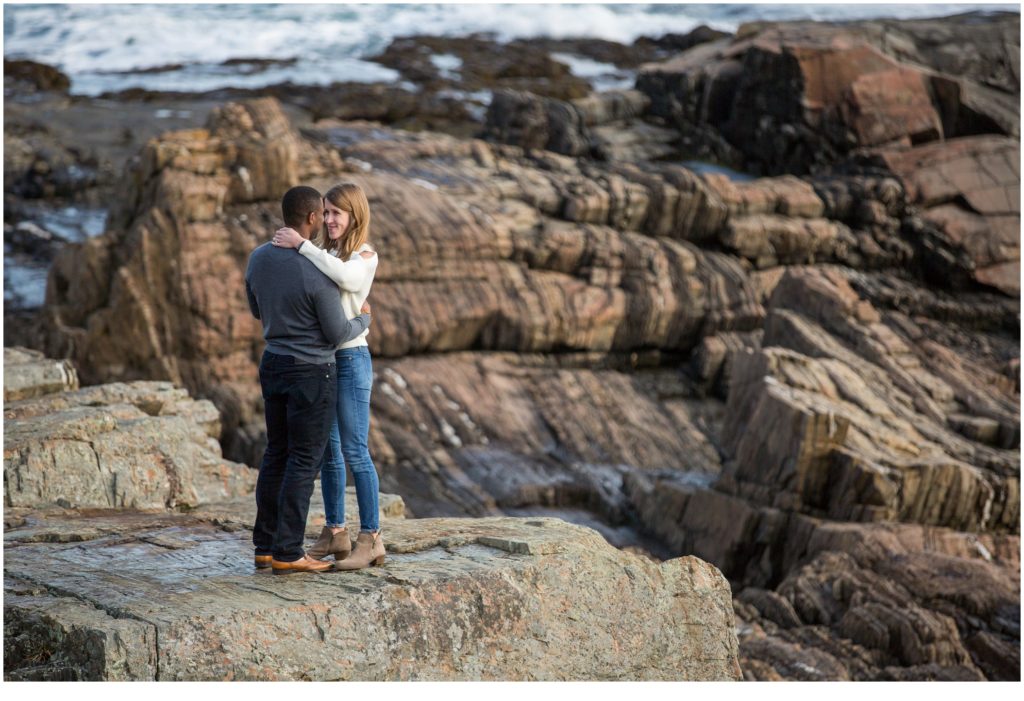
(287,237)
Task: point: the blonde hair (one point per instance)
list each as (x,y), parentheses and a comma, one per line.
(348,197)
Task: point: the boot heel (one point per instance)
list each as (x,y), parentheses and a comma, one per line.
(368,550)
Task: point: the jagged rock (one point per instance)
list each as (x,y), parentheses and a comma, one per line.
(837,376)
(995,655)
(38,75)
(994,38)
(510,439)
(772,659)
(860,601)
(477,63)
(604,125)
(682,511)
(796,96)
(37,165)
(601,50)
(594,312)
(787,195)
(168,272)
(682,42)
(535,122)
(969,192)
(455,599)
(945,314)
(28,373)
(845,447)
(30,239)
(712,359)
(138,445)
(977,91)
(770,606)
(638,141)
(768,240)
(775,221)
(968,108)
(611,106)
(863,607)
(931,673)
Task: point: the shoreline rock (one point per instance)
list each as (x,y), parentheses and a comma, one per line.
(455,599)
(765,87)
(142,592)
(811,382)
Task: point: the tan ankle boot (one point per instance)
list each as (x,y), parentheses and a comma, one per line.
(330,543)
(369,550)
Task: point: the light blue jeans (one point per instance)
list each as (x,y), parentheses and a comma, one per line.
(350,432)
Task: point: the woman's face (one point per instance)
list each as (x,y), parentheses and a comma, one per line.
(335,219)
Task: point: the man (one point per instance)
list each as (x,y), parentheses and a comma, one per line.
(302,325)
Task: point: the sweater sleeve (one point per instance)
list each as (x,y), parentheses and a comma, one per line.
(336,328)
(349,275)
(254,306)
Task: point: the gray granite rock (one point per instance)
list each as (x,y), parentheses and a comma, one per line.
(135,445)
(175,597)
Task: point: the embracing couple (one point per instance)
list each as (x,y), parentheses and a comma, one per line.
(308,287)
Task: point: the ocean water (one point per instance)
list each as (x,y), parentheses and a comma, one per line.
(185,47)
(25,275)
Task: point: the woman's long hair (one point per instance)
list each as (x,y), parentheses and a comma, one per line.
(350,198)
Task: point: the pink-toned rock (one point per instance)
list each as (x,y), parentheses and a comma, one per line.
(794,97)
(969,190)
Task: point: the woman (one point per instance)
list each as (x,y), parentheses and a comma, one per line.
(342,254)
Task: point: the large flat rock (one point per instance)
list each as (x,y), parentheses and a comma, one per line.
(173,596)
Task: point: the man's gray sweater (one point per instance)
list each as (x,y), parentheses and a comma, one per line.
(298,305)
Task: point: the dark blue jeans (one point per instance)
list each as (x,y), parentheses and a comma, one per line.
(350,432)
(298,402)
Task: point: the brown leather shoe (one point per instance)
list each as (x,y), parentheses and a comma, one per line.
(369,550)
(330,543)
(262,562)
(303,564)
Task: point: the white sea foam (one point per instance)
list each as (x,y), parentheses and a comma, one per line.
(603,76)
(97,44)
(448,65)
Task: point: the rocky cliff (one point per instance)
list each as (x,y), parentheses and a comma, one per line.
(810,379)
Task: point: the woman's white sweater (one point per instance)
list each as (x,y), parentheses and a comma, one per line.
(353,277)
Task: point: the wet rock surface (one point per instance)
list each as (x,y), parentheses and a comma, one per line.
(22,75)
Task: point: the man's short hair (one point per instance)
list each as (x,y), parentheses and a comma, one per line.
(297,204)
